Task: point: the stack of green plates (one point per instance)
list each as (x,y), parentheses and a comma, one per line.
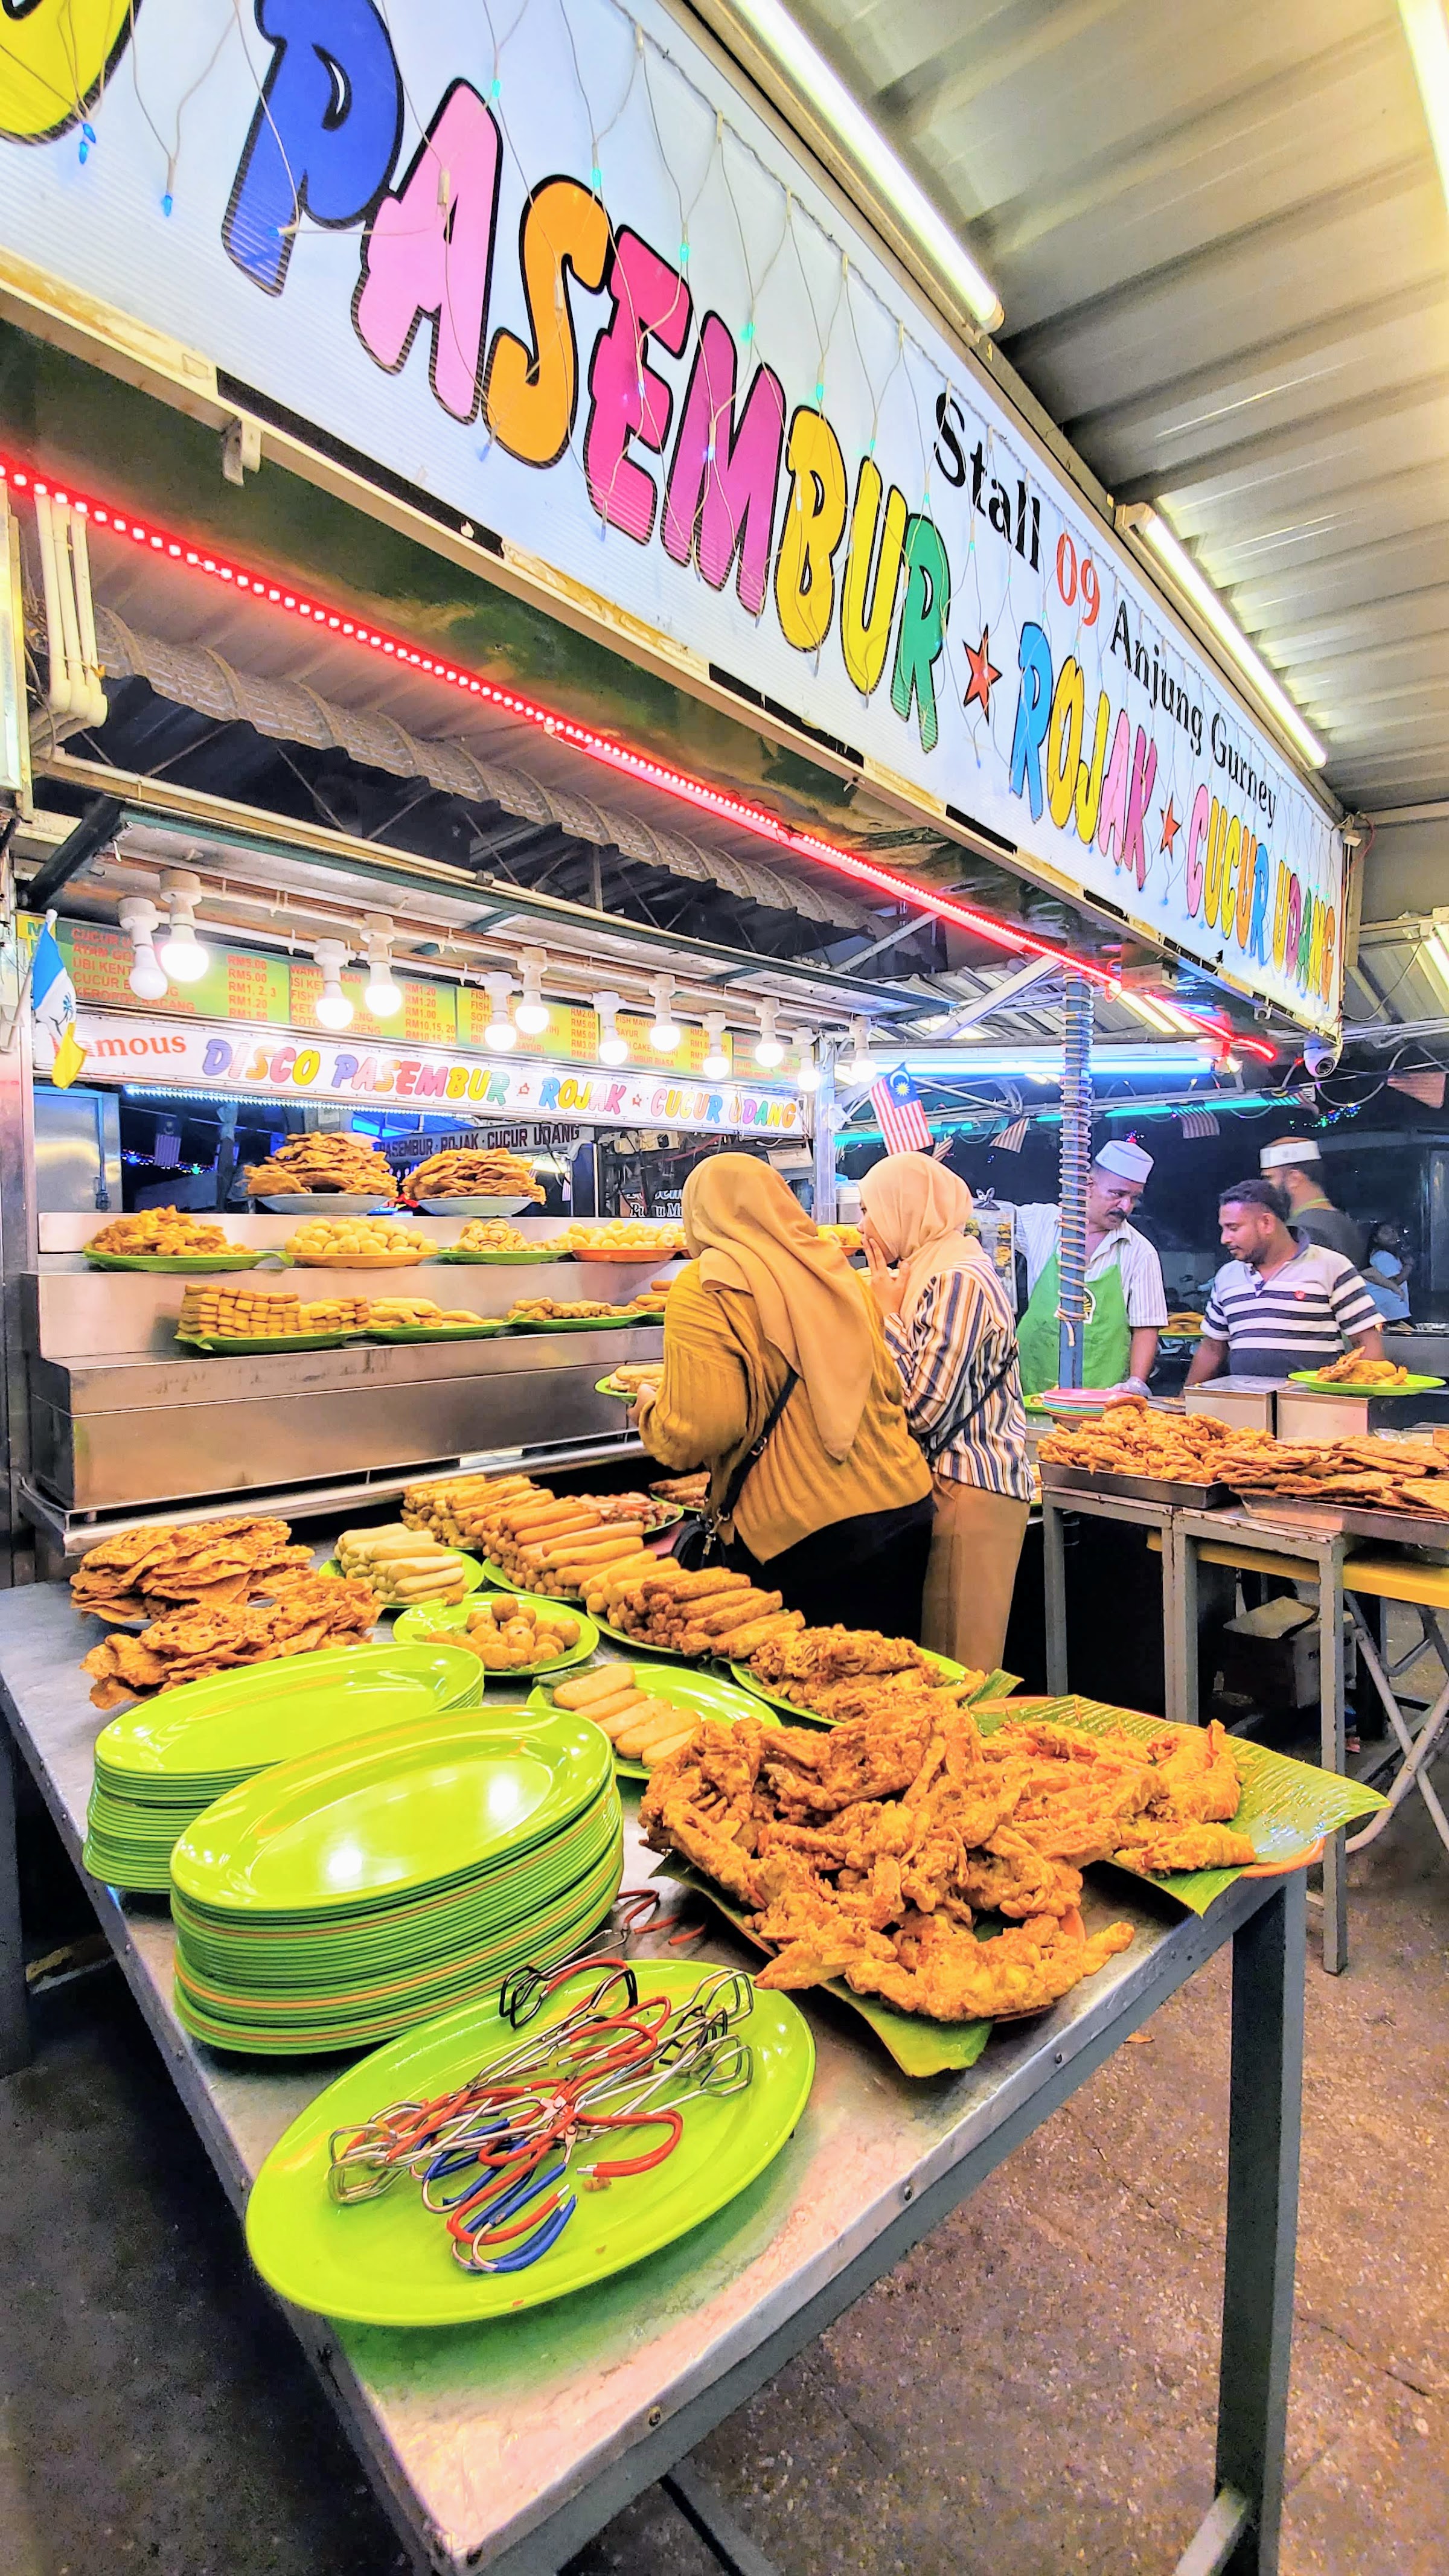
(160,1764)
(339,1899)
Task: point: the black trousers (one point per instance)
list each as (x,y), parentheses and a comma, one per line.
(869,1572)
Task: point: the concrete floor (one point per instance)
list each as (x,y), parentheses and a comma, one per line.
(1030,2394)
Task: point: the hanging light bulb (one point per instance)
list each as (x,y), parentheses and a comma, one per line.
(182,956)
(716,1064)
(334,1011)
(531,1016)
(147,978)
(860,1067)
(807,1070)
(612,1048)
(500,1033)
(382,996)
(768,1049)
(665,1032)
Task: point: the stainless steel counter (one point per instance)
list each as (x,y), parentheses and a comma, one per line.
(122,1417)
(506,2446)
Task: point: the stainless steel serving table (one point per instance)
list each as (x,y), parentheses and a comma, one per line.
(506,2446)
(1138,1513)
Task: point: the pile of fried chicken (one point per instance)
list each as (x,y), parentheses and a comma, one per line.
(869,1852)
(851,1672)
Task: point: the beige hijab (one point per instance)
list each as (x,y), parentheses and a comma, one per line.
(746,1231)
(918,1209)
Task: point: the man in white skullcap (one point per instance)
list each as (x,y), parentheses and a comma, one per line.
(1296,1164)
(1127,1305)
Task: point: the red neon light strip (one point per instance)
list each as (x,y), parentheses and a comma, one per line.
(594,746)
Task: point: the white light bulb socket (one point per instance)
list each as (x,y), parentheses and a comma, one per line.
(768,1050)
(613,1049)
(333,1009)
(382,996)
(716,1065)
(500,1033)
(664,1032)
(531,1017)
(147,979)
(181,954)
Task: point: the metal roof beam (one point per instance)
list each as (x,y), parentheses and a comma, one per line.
(1270,357)
(1263,447)
(1283,230)
(191,816)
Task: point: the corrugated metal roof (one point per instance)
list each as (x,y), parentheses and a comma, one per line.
(1222,246)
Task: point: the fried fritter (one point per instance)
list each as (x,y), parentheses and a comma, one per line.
(1170,1847)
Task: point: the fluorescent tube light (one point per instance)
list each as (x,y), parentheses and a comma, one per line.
(1428,35)
(825,92)
(1193,582)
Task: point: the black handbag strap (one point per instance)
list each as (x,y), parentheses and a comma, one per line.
(998,1379)
(752,1457)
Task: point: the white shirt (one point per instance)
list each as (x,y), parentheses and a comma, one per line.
(1038,1231)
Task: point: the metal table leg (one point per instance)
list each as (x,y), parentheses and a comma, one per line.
(1054,1577)
(1185,1641)
(1332,1750)
(1263,2140)
(14,2009)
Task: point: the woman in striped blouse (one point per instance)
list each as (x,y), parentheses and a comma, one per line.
(950,1328)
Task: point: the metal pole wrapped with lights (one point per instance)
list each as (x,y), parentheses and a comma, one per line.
(1076,1160)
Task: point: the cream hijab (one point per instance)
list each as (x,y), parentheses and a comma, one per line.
(918,1209)
(747,1231)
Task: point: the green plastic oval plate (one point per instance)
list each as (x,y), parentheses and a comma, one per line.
(275,1712)
(240,1344)
(414,1807)
(613,1323)
(472,1577)
(1341,1386)
(186,1265)
(423,1625)
(478,1332)
(812,1717)
(697,1691)
(499,1260)
(389,2262)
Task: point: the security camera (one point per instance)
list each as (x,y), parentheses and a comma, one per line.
(1321,1055)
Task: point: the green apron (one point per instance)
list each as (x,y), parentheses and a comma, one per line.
(1108,1351)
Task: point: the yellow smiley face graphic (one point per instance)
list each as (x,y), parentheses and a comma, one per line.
(54,55)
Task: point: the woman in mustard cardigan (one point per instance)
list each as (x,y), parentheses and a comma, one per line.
(771,1338)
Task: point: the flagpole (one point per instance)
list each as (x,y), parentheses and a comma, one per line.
(1076,1158)
(22,997)
(823,1143)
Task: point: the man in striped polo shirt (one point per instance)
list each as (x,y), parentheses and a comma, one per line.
(1274,1308)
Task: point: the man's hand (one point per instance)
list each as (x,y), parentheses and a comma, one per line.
(1207,1360)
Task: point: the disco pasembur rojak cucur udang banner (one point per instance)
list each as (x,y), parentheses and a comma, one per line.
(578,291)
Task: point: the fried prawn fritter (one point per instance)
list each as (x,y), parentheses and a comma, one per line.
(950,1975)
(1170,1847)
(1195,1777)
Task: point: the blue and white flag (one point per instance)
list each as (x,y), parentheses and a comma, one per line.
(52,1003)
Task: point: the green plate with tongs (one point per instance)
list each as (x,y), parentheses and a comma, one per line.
(388,2261)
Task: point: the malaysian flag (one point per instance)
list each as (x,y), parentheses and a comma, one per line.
(1197,1123)
(897,1104)
(1010,1139)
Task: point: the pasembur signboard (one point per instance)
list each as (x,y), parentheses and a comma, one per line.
(576,295)
(290,1066)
